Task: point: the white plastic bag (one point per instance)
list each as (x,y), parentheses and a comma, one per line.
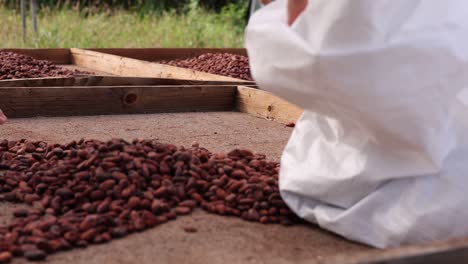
(380,154)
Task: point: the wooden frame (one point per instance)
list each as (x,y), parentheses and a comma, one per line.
(136,63)
(99,100)
(147,95)
(100,80)
(158,54)
(124,66)
(265,105)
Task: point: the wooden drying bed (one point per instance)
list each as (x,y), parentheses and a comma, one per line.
(217,112)
(105,62)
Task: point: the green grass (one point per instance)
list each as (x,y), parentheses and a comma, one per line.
(124,29)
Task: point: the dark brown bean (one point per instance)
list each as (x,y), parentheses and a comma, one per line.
(5,257)
(188,203)
(91,191)
(133,202)
(118,232)
(34,254)
(88,235)
(181,210)
(190,229)
(65,193)
(21,212)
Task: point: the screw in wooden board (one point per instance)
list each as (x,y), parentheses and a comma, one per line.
(130,98)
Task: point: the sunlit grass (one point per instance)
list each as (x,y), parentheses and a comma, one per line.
(119,28)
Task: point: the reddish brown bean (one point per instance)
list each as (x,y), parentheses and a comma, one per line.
(91,191)
(5,257)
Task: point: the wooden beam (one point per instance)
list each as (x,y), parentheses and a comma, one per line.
(451,251)
(136,68)
(57,56)
(158,54)
(60,101)
(266,105)
(103,80)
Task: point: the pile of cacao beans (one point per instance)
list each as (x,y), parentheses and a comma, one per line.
(88,192)
(226,64)
(18,66)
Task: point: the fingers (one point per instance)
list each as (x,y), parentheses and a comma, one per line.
(295,8)
(3,118)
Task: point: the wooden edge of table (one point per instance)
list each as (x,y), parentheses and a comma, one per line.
(266,105)
(158,54)
(100,100)
(57,56)
(129,66)
(104,80)
(453,251)
(63,56)
(123,66)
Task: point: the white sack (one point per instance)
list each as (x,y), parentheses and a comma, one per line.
(380,155)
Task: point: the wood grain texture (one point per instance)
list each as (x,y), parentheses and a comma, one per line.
(57,56)
(450,251)
(104,80)
(60,101)
(266,105)
(137,68)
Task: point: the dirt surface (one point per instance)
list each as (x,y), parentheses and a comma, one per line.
(218,239)
(214,131)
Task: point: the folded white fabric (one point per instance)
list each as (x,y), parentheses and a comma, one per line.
(380,154)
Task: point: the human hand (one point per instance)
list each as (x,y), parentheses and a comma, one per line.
(3,118)
(295,8)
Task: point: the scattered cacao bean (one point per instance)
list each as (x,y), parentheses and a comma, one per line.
(90,191)
(34,254)
(18,66)
(190,229)
(21,212)
(231,65)
(5,257)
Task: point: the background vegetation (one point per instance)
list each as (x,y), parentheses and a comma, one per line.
(127,23)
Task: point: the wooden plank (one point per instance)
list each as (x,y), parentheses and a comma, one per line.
(59,101)
(104,81)
(137,68)
(57,56)
(266,105)
(158,54)
(72,67)
(452,251)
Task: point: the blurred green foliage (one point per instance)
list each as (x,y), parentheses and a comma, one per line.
(134,5)
(191,25)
